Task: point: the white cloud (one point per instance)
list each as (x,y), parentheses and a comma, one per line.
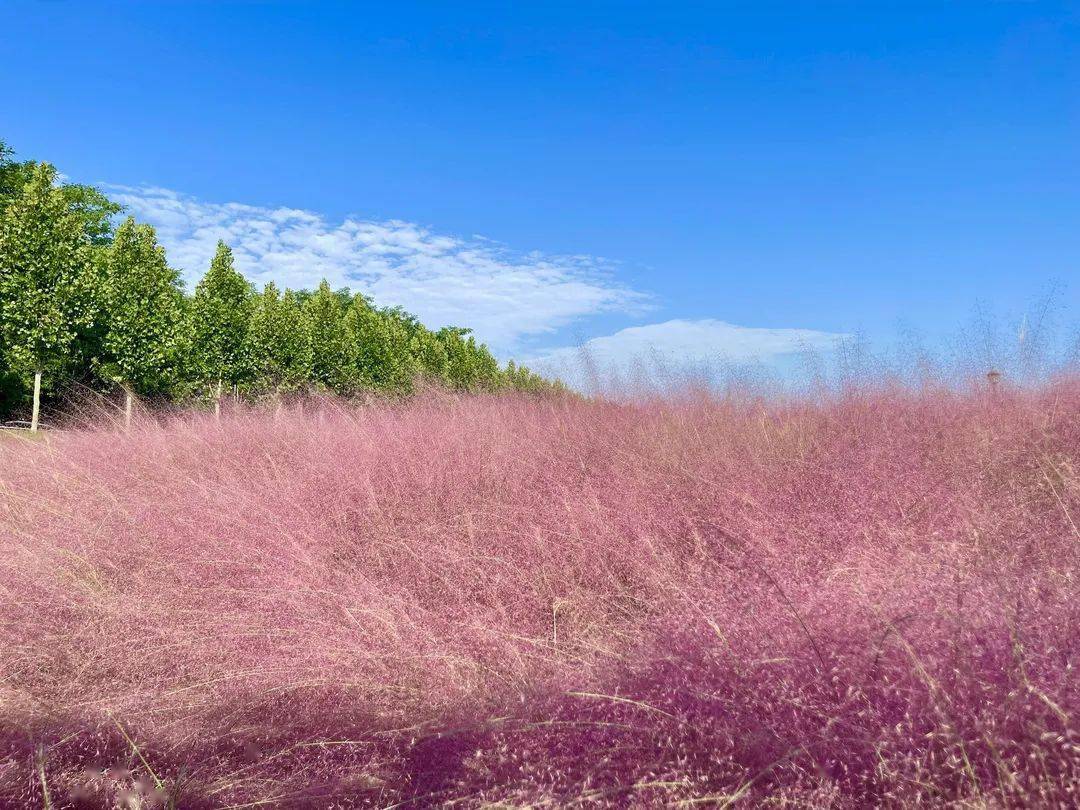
(679,346)
(505,296)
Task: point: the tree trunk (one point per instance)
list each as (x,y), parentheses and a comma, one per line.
(127,406)
(217,400)
(37,402)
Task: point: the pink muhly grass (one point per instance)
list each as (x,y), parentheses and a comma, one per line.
(871,600)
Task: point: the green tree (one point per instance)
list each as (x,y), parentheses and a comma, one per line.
(96,212)
(220,317)
(384,360)
(520,378)
(279,342)
(46,274)
(431,356)
(93,209)
(142,302)
(8,187)
(470,366)
(333,348)
(429,360)
(486,373)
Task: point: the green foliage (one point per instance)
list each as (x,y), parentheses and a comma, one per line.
(143,304)
(431,356)
(519,378)
(9,185)
(93,209)
(83,300)
(470,367)
(333,349)
(46,277)
(220,315)
(383,358)
(278,343)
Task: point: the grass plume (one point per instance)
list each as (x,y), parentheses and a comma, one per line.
(697,601)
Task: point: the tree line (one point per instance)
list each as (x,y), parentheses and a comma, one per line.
(87,299)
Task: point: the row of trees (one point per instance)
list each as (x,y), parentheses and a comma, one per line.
(84,300)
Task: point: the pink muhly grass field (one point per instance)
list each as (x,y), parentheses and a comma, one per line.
(873,600)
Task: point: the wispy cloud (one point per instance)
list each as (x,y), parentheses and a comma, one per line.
(510,298)
(505,295)
(678,346)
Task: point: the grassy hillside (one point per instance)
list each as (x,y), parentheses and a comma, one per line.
(868,601)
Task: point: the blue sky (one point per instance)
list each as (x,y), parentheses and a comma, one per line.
(557,172)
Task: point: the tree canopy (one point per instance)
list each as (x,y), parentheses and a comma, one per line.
(220,317)
(89,204)
(143,313)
